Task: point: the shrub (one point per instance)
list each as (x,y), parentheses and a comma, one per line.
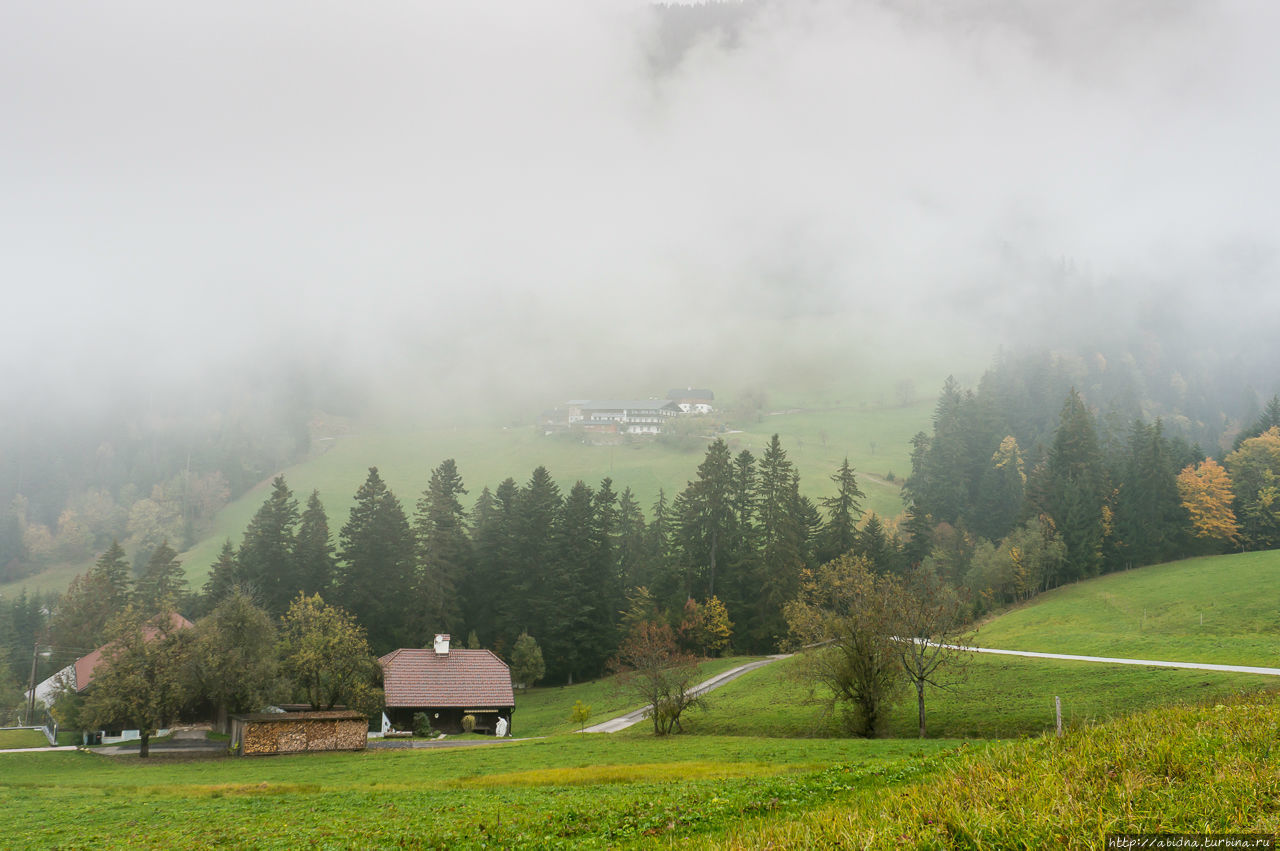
(468,723)
(421,724)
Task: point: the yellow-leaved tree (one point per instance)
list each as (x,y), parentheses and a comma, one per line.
(1205,489)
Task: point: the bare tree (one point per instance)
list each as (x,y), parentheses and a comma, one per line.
(651,666)
(933,619)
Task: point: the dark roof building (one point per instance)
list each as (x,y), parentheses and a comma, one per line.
(446,685)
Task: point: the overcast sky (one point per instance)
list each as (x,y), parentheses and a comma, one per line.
(493,192)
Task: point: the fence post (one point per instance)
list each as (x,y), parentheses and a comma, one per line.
(1057,705)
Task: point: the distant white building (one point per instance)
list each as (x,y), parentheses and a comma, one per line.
(632,416)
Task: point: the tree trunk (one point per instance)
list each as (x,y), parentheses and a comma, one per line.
(145,748)
(920,701)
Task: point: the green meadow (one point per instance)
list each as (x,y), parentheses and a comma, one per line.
(999,697)
(1220,609)
(1201,769)
(566,792)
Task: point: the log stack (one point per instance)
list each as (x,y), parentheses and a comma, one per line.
(298,732)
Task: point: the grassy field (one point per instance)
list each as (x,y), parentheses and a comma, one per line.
(1201,769)
(22,739)
(1223,609)
(1000,697)
(545,711)
(566,792)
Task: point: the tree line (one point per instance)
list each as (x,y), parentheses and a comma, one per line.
(576,570)
(1001,504)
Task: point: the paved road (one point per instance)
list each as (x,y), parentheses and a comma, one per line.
(1154,663)
(622,722)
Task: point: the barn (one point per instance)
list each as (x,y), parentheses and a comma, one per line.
(447,684)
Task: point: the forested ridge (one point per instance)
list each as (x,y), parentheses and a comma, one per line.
(1046,473)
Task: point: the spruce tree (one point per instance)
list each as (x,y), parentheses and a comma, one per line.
(840,532)
(314,549)
(1073,488)
(782,533)
(267,555)
(634,565)
(375,571)
(443,550)
(224,578)
(535,555)
(163,584)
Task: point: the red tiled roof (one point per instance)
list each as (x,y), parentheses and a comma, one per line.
(87,666)
(462,678)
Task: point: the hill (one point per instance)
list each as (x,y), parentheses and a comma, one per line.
(873,436)
(1222,609)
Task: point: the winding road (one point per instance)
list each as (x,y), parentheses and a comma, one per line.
(622,722)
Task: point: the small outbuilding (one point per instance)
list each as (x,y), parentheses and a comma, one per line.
(262,733)
(447,685)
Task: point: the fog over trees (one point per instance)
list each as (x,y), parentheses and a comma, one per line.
(222,222)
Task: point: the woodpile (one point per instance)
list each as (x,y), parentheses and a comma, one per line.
(298,732)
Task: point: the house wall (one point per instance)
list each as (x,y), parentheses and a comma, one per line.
(448,719)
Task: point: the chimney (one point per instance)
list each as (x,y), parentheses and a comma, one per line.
(442,644)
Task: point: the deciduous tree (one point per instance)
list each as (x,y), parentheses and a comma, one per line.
(233,662)
(651,666)
(326,655)
(848,617)
(140,682)
(1205,490)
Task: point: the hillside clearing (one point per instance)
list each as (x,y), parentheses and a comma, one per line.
(1220,609)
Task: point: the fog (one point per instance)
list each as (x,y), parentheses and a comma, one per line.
(444,200)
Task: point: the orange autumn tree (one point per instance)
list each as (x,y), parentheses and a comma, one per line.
(1206,494)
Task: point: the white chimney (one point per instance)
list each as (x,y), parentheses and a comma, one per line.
(442,644)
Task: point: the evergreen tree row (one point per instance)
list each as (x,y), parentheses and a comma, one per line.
(557,565)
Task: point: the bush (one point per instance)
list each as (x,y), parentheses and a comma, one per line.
(421,724)
(468,723)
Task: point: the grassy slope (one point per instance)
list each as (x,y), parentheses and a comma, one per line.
(1155,613)
(570,791)
(1000,697)
(1201,769)
(22,739)
(545,711)
(816,440)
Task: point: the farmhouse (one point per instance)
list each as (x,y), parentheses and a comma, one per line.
(634,416)
(447,685)
(78,677)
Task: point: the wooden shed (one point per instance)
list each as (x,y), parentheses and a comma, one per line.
(298,732)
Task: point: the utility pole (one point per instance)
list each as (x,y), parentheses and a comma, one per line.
(31,697)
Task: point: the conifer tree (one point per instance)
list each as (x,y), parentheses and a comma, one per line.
(443,550)
(1149,518)
(163,583)
(1073,487)
(224,577)
(634,564)
(782,532)
(376,565)
(314,550)
(840,532)
(707,525)
(267,555)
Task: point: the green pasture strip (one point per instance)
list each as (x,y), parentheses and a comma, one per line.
(545,711)
(570,791)
(1002,696)
(1219,609)
(1201,769)
(22,739)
